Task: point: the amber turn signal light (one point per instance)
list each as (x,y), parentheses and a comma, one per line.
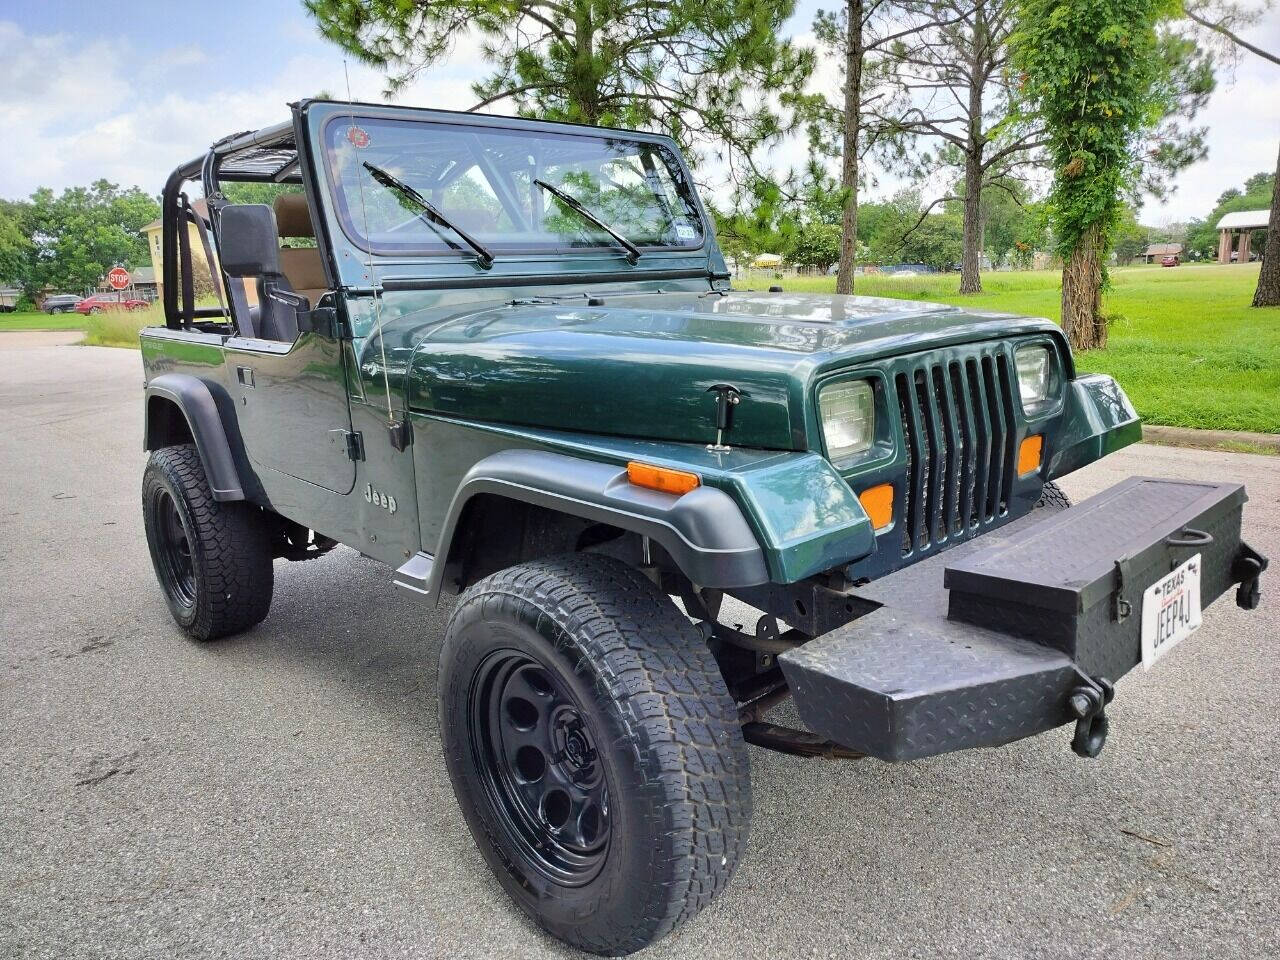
(1030,452)
(662,478)
(878,502)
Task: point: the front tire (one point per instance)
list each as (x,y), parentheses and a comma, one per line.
(1053,497)
(213,560)
(594,749)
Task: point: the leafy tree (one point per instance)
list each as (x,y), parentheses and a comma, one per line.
(1032,235)
(858,35)
(1110,88)
(1224,19)
(686,67)
(963,99)
(1009,217)
(15,248)
(905,231)
(1129,237)
(937,242)
(1202,235)
(815,244)
(76,237)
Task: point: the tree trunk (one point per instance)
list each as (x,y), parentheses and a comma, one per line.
(853,57)
(971,260)
(1082,318)
(1268,292)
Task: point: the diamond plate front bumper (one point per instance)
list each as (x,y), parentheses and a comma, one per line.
(1007,636)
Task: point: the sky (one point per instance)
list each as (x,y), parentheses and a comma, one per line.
(128,90)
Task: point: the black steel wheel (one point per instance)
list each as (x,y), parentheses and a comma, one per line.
(174,565)
(594,750)
(539,764)
(212,559)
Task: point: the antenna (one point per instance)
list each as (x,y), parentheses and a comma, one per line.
(374,283)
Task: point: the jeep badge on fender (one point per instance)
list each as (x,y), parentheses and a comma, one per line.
(380,499)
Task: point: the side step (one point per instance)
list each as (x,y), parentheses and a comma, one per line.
(414,574)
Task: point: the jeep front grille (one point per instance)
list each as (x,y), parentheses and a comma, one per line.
(958,427)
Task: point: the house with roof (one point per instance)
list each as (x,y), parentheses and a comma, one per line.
(1235,234)
(1155,252)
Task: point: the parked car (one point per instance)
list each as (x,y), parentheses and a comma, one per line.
(110,301)
(60,303)
(1172,260)
(574,430)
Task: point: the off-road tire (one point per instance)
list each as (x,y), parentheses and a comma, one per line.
(1053,497)
(664,728)
(229,589)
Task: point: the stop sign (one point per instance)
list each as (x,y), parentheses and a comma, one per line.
(118,277)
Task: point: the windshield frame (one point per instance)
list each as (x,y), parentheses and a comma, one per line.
(339,198)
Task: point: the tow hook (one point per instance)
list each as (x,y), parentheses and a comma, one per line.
(1088,704)
(1247,571)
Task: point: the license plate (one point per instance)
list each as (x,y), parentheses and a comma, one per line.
(1170,611)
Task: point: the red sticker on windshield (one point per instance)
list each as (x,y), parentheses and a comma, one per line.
(357,138)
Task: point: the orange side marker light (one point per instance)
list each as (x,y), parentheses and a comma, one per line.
(662,478)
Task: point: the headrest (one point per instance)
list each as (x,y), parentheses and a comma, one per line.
(292,216)
(247,240)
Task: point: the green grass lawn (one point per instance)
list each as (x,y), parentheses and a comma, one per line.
(37,320)
(1184,342)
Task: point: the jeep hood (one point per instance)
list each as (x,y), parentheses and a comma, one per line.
(643,365)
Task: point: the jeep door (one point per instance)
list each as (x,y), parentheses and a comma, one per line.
(294,415)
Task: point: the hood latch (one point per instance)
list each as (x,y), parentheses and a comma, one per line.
(727,397)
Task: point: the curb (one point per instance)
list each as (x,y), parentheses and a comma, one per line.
(1232,441)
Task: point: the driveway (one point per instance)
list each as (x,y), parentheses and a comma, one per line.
(282,793)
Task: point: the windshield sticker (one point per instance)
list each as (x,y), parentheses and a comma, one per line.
(685,232)
(357,137)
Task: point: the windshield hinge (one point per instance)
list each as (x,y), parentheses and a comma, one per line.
(355,445)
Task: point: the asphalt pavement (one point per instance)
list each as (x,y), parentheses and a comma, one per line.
(282,793)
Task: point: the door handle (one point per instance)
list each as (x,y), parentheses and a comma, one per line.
(245,375)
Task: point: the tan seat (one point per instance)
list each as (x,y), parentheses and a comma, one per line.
(301,266)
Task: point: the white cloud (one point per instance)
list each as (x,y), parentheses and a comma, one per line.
(1243,117)
(75,111)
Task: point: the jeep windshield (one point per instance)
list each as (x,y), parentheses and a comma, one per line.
(486,181)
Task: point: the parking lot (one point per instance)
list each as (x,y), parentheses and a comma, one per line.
(282,793)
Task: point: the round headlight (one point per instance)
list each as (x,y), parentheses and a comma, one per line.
(848,413)
(1033,374)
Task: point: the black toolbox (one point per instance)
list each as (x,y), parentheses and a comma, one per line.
(994,641)
(1075,581)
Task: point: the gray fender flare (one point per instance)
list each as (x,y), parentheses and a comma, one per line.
(191,395)
(704,531)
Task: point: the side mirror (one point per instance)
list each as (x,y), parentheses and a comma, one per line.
(248,242)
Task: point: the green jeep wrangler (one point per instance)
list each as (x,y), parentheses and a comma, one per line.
(504,358)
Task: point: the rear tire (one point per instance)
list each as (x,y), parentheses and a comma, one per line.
(213,559)
(572,692)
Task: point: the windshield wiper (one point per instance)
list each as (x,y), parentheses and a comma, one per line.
(633,252)
(430,212)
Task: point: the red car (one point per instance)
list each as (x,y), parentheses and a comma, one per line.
(109,301)
(1170,261)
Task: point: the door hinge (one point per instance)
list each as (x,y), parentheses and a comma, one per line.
(355,445)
